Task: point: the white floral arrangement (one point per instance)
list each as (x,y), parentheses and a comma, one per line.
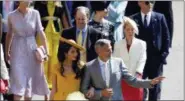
(76,96)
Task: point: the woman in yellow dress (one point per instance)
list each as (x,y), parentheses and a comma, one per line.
(54,20)
(67,74)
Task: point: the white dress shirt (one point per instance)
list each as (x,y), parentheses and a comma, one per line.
(148,18)
(105,71)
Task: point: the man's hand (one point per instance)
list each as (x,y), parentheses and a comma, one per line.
(90,93)
(107,92)
(157,80)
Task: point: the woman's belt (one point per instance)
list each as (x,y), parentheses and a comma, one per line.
(47,18)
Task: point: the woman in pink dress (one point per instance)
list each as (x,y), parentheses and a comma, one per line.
(26,75)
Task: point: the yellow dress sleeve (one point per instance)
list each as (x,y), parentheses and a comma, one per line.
(56,68)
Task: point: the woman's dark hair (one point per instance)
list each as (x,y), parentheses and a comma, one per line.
(64,49)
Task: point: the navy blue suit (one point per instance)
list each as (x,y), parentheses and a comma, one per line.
(156,35)
(165,7)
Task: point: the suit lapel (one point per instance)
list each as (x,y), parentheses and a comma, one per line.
(88,42)
(132,47)
(153,24)
(153,20)
(74,35)
(111,65)
(98,72)
(125,50)
(140,22)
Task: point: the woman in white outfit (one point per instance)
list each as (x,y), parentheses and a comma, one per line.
(133,53)
(3,71)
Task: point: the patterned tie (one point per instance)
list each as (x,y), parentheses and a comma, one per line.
(145,21)
(79,39)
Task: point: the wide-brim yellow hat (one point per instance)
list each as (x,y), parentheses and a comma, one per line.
(72,43)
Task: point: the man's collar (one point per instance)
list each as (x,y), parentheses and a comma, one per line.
(101,62)
(149,13)
(83,30)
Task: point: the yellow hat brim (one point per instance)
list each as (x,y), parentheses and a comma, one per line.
(72,42)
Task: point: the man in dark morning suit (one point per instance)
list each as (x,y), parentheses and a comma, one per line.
(154,30)
(83,34)
(165,7)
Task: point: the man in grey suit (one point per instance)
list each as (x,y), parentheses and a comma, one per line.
(105,73)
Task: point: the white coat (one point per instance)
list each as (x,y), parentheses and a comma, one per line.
(135,59)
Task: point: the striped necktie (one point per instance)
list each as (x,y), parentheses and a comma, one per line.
(79,39)
(145,21)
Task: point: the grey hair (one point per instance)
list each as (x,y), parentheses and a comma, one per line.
(81,8)
(101,43)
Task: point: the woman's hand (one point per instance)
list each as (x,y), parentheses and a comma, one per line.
(38,57)
(6,85)
(7,57)
(46,58)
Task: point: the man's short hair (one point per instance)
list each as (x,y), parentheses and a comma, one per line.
(87,11)
(101,43)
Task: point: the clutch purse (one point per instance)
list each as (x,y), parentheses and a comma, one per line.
(41,54)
